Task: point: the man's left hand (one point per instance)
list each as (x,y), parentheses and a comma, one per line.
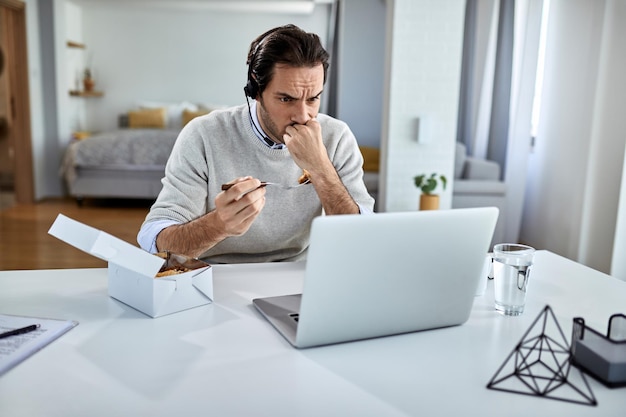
(306,147)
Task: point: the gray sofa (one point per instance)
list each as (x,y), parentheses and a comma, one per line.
(477,184)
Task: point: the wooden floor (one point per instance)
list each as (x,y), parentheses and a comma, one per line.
(24,239)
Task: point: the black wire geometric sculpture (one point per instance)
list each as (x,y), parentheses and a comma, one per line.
(540,366)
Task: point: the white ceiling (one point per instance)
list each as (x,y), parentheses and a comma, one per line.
(262,6)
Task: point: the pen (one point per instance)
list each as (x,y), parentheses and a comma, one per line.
(19,331)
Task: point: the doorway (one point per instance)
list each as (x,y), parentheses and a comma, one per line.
(16,167)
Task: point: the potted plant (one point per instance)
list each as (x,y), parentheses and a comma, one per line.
(428,184)
(88,81)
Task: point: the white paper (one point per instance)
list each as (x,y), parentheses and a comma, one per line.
(15,349)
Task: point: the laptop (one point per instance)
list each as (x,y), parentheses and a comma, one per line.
(385,274)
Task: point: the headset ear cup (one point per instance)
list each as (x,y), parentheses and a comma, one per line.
(251,88)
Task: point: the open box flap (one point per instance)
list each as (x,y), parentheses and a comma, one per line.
(205,286)
(105,246)
(196,286)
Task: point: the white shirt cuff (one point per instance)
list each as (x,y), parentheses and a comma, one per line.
(364,210)
(148,233)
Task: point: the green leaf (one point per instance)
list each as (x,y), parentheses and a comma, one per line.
(429,184)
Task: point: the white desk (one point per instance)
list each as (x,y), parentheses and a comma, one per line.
(224,359)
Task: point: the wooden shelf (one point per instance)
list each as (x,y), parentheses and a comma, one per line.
(72,44)
(76,93)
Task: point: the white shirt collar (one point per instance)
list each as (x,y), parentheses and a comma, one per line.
(258,131)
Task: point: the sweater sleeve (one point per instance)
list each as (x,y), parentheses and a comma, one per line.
(346,157)
(184,194)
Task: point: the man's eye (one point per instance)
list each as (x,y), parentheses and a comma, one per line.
(285,99)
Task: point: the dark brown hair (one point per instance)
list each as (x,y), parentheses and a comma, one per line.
(288,45)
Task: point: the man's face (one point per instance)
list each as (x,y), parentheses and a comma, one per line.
(292,97)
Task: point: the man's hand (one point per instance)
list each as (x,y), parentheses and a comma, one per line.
(235,211)
(238,207)
(307,149)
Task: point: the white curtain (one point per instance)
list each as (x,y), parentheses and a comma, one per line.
(478,75)
(329,105)
(501,46)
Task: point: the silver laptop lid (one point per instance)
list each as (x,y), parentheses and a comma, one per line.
(388,273)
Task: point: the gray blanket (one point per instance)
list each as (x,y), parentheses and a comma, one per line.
(120,149)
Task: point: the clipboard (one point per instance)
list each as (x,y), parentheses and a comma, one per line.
(16,349)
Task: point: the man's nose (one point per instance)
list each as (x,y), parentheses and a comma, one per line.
(300,113)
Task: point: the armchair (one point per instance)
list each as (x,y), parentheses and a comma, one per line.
(477,184)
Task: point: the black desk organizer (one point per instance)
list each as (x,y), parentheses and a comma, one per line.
(603,357)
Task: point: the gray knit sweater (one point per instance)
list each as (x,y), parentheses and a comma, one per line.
(216,148)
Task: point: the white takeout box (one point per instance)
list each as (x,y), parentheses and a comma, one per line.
(132,271)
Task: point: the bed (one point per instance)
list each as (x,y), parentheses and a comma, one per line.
(128,162)
(124,163)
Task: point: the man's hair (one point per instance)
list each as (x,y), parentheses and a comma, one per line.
(287,45)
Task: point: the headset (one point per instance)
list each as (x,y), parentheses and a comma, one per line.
(251,89)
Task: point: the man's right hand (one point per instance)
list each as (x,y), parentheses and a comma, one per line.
(238,207)
(235,211)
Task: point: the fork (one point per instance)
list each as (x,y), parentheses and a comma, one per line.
(263,184)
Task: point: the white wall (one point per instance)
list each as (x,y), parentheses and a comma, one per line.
(422,74)
(71,111)
(44,20)
(575,171)
(147,53)
(361,68)
(35,94)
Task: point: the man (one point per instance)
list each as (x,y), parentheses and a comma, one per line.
(275,139)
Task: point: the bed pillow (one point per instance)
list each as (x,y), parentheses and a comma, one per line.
(174,111)
(188,115)
(147,118)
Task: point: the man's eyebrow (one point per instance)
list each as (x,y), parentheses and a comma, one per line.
(278,93)
(289,96)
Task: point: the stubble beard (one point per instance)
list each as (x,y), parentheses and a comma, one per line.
(268,125)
